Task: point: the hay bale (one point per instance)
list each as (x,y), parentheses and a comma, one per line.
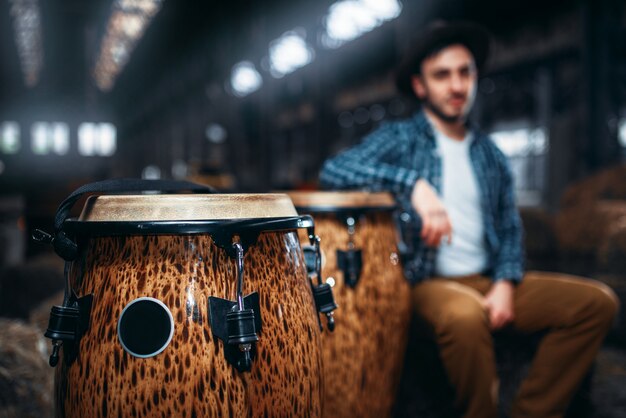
(583,229)
(608,184)
(40,315)
(26,379)
(590,209)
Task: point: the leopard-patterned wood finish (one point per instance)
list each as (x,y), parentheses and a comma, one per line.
(191,377)
(364,356)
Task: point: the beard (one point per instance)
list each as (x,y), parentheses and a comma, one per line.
(439,112)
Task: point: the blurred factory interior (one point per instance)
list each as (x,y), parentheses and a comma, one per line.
(254,96)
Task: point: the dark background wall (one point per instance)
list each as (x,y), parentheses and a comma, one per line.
(557,66)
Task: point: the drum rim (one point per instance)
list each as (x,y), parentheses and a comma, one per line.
(187,207)
(342,201)
(344,210)
(187,227)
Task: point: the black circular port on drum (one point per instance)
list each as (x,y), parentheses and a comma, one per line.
(145,327)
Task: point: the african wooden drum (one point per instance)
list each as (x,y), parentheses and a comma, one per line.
(191,306)
(363,358)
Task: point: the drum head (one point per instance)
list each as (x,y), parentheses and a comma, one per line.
(185,207)
(338,201)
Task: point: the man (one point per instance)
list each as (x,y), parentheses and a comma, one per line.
(464,236)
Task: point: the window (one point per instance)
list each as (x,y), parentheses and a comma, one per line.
(521,142)
(9,138)
(50,137)
(97,139)
(526,148)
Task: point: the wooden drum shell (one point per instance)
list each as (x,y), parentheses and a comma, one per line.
(191,376)
(364,356)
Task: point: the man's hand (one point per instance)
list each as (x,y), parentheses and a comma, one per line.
(499,304)
(435,222)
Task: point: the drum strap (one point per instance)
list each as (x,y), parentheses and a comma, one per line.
(65,247)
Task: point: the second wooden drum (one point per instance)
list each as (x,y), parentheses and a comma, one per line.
(363,357)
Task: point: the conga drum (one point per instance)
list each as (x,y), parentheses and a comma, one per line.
(363,358)
(189,306)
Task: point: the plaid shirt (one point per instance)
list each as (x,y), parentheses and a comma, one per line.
(396,155)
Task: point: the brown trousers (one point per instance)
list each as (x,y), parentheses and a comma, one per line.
(576,313)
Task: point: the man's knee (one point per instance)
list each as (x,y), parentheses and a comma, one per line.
(467,321)
(605,303)
(576,300)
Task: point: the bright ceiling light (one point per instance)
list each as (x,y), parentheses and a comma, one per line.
(288,53)
(622,132)
(132,25)
(27,27)
(146,7)
(245,79)
(127,24)
(349,19)
(384,9)
(119,54)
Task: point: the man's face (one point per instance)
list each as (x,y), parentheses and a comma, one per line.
(447,84)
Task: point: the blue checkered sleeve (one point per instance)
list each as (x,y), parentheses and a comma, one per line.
(371,164)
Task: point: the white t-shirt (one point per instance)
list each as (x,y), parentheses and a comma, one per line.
(461,198)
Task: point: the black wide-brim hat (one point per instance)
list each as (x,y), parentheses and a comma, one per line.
(436,36)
